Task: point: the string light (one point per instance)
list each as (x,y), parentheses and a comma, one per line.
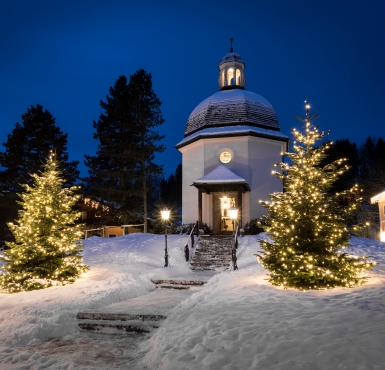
(46,251)
(307,226)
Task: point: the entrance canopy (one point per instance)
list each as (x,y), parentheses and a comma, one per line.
(220,178)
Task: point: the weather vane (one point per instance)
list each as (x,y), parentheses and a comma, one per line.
(231,45)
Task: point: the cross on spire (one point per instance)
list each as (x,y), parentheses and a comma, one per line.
(231,45)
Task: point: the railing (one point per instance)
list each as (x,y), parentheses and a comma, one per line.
(190,237)
(234,249)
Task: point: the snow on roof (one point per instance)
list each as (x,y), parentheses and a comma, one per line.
(231,57)
(232,107)
(379,197)
(221,174)
(232,131)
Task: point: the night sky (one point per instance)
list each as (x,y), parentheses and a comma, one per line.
(65,55)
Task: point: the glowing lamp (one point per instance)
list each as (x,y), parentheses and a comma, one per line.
(233,212)
(165,212)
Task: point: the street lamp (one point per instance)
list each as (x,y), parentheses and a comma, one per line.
(233,215)
(165,212)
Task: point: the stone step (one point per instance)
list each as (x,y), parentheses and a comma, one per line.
(210,263)
(178,287)
(116,327)
(118,316)
(214,254)
(179,282)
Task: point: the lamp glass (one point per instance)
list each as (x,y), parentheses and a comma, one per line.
(165,213)
(233,212)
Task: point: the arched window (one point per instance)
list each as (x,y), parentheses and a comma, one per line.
(230,76)
(238,77)
(223,79)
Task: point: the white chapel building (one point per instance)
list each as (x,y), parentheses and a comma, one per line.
(231,142)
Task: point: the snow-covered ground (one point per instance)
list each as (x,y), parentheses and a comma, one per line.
(236,321)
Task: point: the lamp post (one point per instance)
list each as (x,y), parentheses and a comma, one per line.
(165,212)
(233,215)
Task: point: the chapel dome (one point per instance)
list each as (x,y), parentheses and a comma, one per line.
(231,57)
(232,107)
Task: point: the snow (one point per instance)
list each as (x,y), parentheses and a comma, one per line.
(220,174)
(236,321)
(232,131)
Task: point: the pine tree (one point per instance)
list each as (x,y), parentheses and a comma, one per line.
(146,116)
(309,228)
(113,170)
(122,170)
(47,247)
(29,144)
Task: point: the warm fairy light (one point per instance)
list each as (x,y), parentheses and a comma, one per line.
(306,225)
(46,251)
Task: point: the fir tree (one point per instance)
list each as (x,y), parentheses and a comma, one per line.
(27,147)
(122,170)
(113,170)
(146,117)
(47,247)
(309,228)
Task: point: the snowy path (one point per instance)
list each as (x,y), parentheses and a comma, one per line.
(237,321)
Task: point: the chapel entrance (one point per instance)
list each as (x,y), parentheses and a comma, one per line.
(222,202)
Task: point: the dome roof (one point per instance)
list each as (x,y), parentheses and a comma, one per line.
(231,57)
(232,108)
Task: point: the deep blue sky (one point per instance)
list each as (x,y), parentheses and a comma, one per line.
(65,55)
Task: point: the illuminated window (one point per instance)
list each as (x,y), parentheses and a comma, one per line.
(230,76)
(225,157)
(238,77)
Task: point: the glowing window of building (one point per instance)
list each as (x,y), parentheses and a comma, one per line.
(225,157)
(238,77)
(230,76)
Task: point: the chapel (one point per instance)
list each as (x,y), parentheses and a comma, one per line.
(231,142)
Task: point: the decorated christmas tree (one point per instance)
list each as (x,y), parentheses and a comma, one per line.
(309,229)
(47,250)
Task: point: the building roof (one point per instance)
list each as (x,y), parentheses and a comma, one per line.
(220,176)
(231,57)
(232,108)
(379,197)
(227,131)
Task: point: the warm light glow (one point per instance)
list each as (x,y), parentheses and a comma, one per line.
(233,212)
(382,236)
(225,157)
(165,213)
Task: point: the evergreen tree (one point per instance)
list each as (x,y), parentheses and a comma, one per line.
(29,144)
(26,148)
(372,159)
(113,171)
(308,227)
(147,116)
(47,247)
(343,148)
(124,167)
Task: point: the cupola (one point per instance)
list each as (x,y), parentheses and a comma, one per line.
(231,71)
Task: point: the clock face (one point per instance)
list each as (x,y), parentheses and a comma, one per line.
(225,157)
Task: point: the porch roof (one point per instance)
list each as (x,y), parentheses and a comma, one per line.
(379,197)
(221,178)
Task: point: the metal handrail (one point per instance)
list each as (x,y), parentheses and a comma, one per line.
(234,249)
(190,236)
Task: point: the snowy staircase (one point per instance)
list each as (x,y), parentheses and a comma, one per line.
(139,315)
(212,253)
(112,322)
(177,284)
